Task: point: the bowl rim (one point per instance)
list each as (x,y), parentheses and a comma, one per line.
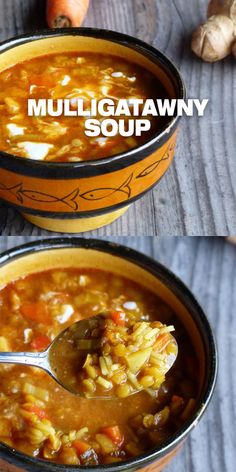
(185,295)
(148,51)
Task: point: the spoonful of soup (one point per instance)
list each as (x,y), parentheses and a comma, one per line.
(106,356)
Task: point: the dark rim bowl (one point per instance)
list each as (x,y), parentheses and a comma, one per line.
(95,167)
(197,314)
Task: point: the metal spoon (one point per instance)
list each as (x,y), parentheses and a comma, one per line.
(67,353)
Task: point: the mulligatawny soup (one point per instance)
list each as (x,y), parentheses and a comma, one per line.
(70,76)
(41,419)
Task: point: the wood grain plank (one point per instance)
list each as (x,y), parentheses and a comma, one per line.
(198,194)
(208,267)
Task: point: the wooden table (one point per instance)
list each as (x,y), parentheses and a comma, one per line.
(208,267)
(198,194)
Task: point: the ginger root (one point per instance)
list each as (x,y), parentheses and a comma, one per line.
(234,49)
(215,39)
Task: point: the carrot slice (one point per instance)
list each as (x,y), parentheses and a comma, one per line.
(41,414)
(115,434)
(40,343)
(81,446)
(118,317)
(66,13)
(37,312)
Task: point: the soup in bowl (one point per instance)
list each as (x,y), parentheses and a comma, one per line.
(47,286)
(50,170)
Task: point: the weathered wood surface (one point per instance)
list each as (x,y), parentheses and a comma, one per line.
(208,267)
(198,194)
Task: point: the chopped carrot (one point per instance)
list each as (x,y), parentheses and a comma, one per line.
(161,342)
(177,400)
(41,414)
(41,80)
(40,343)
(37,312)
(66,13)
(81,446)
(177,404)
(118,317)
(115,434)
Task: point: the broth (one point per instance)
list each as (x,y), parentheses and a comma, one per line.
(39,417)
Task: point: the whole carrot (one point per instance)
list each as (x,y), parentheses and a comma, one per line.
(66,13)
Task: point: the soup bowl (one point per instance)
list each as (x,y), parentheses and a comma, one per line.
(81,196)
(81,253)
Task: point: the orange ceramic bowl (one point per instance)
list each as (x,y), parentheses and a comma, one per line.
(75,252)
(75,197)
